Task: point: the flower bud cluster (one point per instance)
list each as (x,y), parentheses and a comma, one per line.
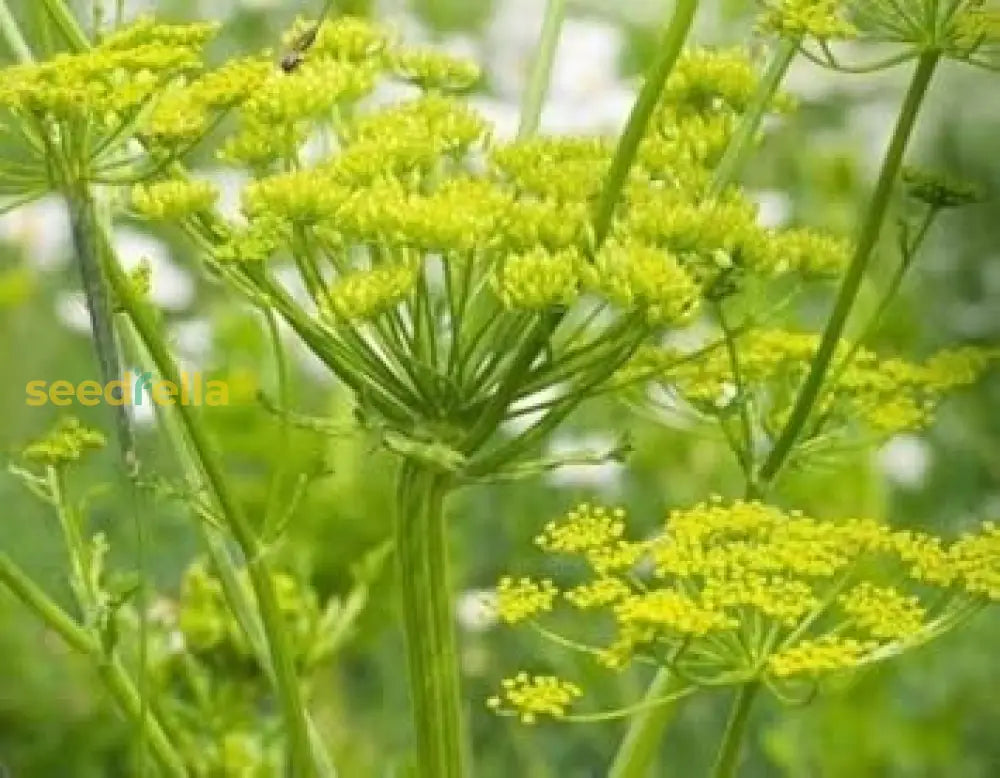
(67,443)
(173,199)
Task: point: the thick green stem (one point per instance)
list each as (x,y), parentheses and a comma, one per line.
(111,672)
(649,97)
(732,742)
(638,750)
(282,661)
(429,623)
(541,71)
(870,231)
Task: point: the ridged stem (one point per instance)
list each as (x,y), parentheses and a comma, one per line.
(429,623)
(728,759)
(851,285)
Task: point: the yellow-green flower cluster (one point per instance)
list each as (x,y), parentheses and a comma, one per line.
(108,83)
(364,294)
(820,19)
(539,279)
(173,199)
(638,277)
(939,191)
(886,396)
(730,592)
(65,444)
(528,697)
(883,611)
(433,70)
(583,529)
(523,598)
(706,81)
(210,629)
(713,237)
(560,169)
(828,654)
(346,39)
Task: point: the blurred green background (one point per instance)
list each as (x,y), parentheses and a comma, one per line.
(934,715)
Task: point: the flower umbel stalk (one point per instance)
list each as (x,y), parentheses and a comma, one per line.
(638,750)
(541,71)
(428,617)
(870,231)
(732,742)
(670,51)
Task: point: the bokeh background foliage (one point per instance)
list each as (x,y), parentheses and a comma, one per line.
(936,714)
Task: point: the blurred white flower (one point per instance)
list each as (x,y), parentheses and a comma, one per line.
(71,310)
(775,207)
(587,60)
(41,229)
(230,184)
(476,609)
(192,340)
(905,460)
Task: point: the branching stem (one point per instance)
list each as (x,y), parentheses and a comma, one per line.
(870,231)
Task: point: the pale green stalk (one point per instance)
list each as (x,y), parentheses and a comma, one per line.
(421,532)
(11,33)
(649,97)
(67,24)
(638,750)
(728,759)
(110,670)
(734,159)
(851,285)
(541,70)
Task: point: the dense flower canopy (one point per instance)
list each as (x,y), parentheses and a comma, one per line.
(731,592)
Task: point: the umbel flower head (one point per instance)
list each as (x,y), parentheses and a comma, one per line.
(104,97)
(429,249)
(728,593)
(875,396)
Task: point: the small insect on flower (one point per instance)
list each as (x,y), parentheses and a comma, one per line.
(292,59)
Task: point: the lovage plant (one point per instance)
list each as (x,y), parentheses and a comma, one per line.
(457,283)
